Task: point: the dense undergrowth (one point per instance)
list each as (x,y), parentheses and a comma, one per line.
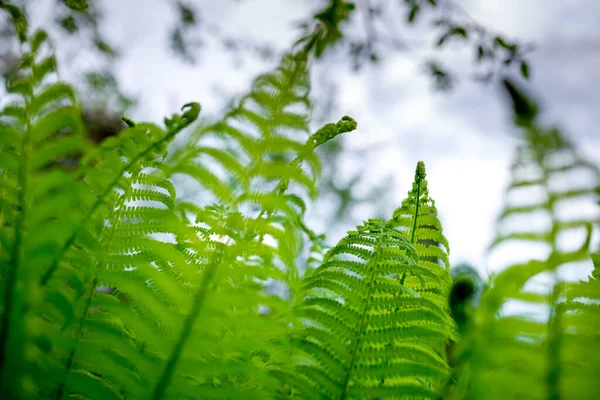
(112,287)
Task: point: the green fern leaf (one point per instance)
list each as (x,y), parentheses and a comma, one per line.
(523,335)
(368,332)
(41,197)
(417,218)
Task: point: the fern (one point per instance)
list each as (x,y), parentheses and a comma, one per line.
(64,240)
(578,340)
(41,132)
(417,218)
(113,286)
(141,204)
(534,353)
(208,267)
(375,315)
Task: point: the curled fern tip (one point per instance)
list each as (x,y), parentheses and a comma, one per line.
(192,112)
(329,131)
(346,124)
(128,121)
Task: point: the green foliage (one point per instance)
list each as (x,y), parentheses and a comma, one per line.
(113,286)
(330,18)
(544,342)
(417,218)
(169,263)
(375,314)
(77,5)
(42,194)
(17,18)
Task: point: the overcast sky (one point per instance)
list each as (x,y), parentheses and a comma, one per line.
(465,137)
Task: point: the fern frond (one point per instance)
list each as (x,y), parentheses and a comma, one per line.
(366,331)
(232,261)
(265,130)
(518,333)
(149,274)
(251,237)
(417,218)
(41,197)
(63,236)
(135,148)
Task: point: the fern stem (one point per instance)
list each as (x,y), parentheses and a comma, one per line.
(199,300)
(416,216)
(553,346)
(554,320)
(419,180)
(361,327)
